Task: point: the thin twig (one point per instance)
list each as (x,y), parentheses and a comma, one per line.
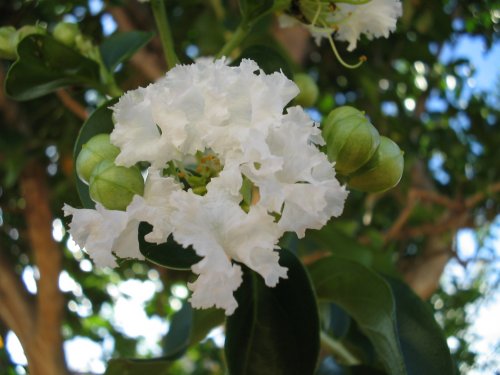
(76,108)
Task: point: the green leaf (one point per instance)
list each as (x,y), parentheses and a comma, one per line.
(422,341)
(187,327)
(137,367)
(100,121)
(169,254)
(45,65)
(274,330)
(367,298)
(120,47)
(330,367)
(341,245)
(178,336)
(204,320)
(252,10)
(269,59)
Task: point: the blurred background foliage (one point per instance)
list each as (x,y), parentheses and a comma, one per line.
(428,104)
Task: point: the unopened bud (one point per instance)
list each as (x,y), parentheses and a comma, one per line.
(308,90)
(66,33)
(383,171)
(97,149)
(351,140)
(115,186)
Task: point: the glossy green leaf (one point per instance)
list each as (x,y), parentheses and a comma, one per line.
(169,254)
(341,245)
(252,10)
(269,59)
(204,320)
(137,367)
(274,331)
(329,367)
(120,47)
(100,121)
(45,65)
(368,299)
(422,341)
(187,327)
(177,339)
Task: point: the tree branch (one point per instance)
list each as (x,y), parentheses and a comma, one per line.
(16,305)
(71,104)
(48,257)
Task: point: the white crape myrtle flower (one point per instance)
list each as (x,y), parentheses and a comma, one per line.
(375,19)
(208,130)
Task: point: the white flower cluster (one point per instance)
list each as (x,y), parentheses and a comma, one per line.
(374,19)
(234,115)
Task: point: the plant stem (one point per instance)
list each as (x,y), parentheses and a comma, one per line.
(337,349)
(167,41)
(240,33)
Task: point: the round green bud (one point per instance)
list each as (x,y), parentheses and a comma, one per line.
(383,171)
(66,33)
(97,149)
(114,186)
(8,42)
(351,140)
(27,30)
(308,90)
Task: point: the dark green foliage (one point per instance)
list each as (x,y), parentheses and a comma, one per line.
(121,46)
(45,65)
(274,331)
(422,342)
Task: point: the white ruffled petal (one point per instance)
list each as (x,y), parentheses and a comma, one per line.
(155,206)
(375,19)
(102,232)
(219,230)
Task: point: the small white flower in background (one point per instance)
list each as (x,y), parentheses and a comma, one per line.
(375,19)
(220,125)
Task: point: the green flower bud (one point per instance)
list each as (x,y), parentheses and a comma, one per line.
(27,30)
(8,42)
(66,33)
(308,90)
(97,149)
(351,140)
(383,171)
(114,186)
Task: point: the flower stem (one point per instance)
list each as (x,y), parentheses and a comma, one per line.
(160,14)
(338,350)
(238,36)
(362,59)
